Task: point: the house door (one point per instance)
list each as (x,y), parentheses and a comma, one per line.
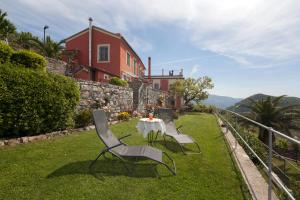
(164,85)
(93,74)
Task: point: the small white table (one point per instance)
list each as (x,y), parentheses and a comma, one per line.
(147,127)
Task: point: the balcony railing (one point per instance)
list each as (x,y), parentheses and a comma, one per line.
(224,115)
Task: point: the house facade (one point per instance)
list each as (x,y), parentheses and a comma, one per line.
(163,82)
(100,55)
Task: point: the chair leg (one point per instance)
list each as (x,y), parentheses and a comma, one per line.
(196,152)
(100,154)
(173,171)
(181,147)
(199,150)
(156,136)
(149,140)
(165,140)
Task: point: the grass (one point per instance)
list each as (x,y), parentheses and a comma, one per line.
(58,168)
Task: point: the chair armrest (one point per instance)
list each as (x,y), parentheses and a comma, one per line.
(125,136)
(109,148)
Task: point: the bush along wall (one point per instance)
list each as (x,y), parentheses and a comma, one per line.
(118,81)
(5,52)
(29,59)
(34,102)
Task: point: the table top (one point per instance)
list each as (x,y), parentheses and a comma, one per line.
(151,120)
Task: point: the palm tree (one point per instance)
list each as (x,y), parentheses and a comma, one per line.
(49,48)
(6,27)
(23,40)
(268,111)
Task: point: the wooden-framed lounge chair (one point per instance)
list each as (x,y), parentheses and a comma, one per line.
(167,115)
(119,149)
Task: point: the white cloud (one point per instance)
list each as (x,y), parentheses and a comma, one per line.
(194,70)
(140,44)
(181,60)
(242,30)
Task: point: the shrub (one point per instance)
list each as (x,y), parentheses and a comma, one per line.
(123,116)
(34,102)
(281,143)
(83,118)
(5,52)
(28,59)
(161,100)
(203,108)
(198,107)
(254,143)
(117,81)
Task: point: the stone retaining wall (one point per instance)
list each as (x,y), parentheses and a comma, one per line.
(111,98)
(28,139)
(56,66)
(144,95)
(116,99)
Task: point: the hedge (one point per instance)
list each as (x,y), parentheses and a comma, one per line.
(34,102)
(5,52)
(83,118)
(117,81)
(28,59)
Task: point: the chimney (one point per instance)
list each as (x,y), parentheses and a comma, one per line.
(181,72)
(90,41)
(149,68)
(162,72)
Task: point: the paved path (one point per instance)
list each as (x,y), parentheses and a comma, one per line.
(253,178)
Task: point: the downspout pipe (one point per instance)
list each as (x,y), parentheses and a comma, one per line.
(90,41)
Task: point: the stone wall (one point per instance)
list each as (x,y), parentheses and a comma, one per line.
(144,95)
(56,66)
(111,98)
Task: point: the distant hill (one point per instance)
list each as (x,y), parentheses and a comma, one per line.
(240,109)
(220,101)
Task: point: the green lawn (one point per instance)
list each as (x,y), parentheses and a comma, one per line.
(58,168)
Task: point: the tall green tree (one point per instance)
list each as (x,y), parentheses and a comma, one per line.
(6,27)
(269,112)
(192,89)
(49,48)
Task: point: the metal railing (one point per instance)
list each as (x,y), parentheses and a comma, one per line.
(267,166)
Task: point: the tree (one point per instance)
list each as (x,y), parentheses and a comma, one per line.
(192,89)
(268,111)
(49,48)
(6,27)
(24,40)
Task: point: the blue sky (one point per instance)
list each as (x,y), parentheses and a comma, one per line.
(246,47)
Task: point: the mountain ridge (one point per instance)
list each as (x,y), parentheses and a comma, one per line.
(220,101)
(238,107)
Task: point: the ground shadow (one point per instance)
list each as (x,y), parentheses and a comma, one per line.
(105,168)
(193,113)
(173,146)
